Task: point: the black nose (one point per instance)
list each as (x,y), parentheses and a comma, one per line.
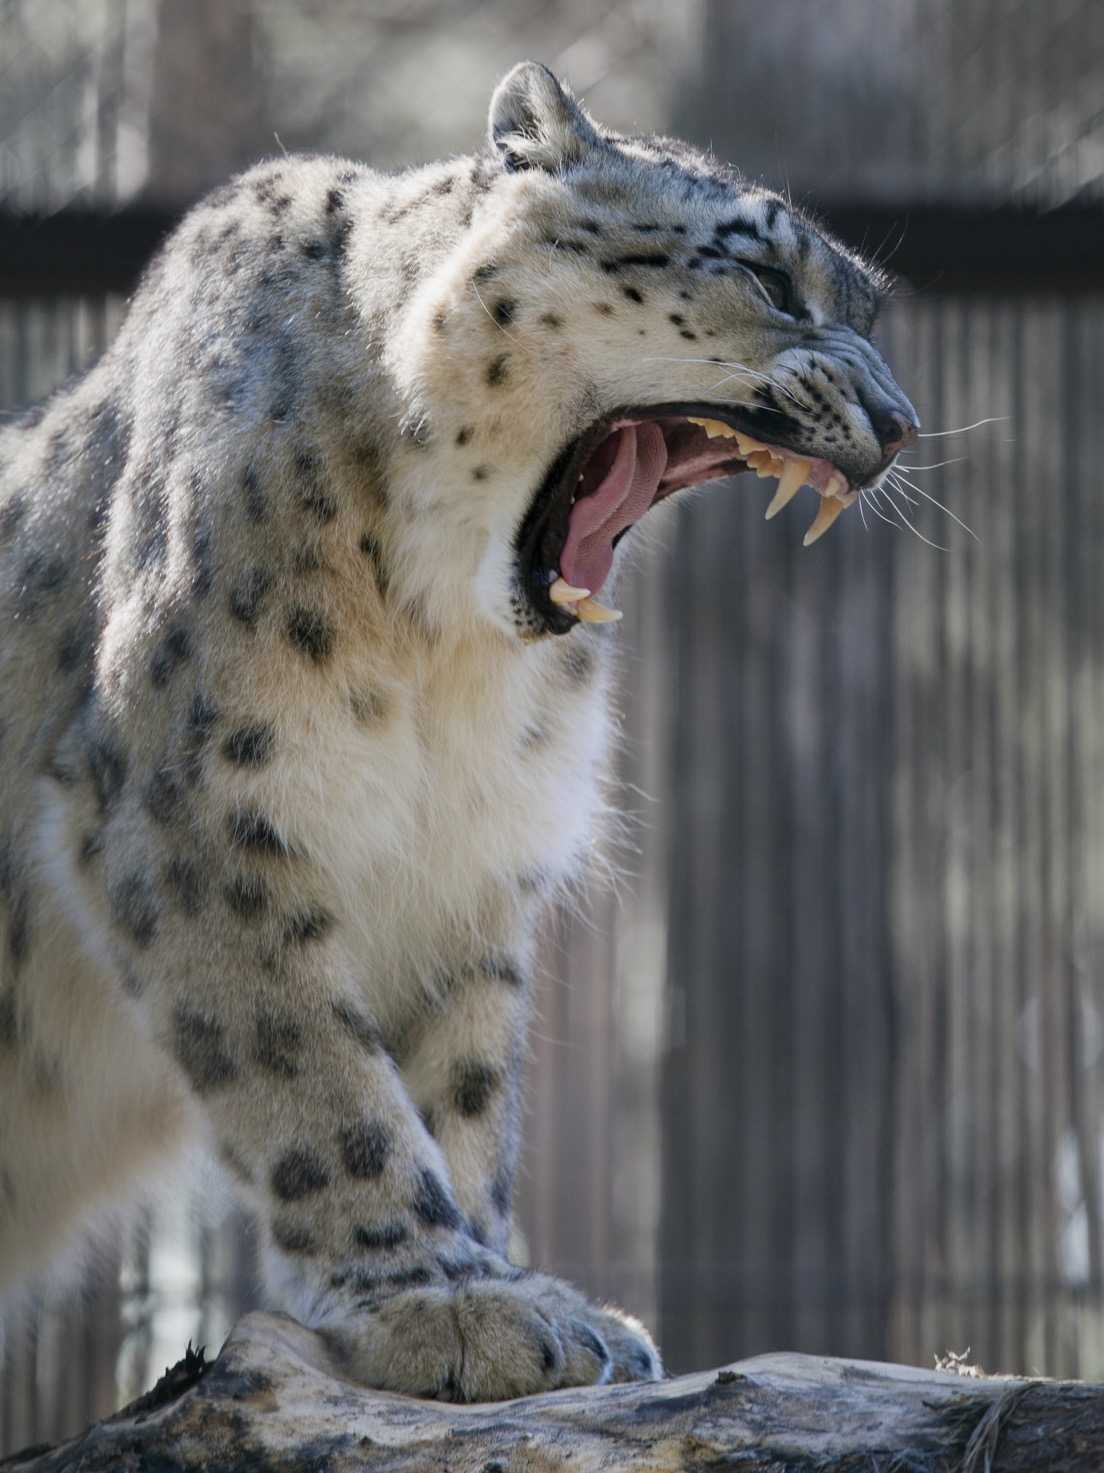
(895,431)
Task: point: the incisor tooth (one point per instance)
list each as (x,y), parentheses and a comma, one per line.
(793,478)
(561,592)
(827,513)
(595,613)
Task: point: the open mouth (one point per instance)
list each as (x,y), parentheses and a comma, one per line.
(605,481)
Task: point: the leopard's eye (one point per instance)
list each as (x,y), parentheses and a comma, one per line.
(774,284)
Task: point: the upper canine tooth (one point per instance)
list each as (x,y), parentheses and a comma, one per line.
(827,513)
(595,613)
(561,592)
(794,476)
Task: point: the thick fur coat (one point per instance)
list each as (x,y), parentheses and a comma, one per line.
(291,753)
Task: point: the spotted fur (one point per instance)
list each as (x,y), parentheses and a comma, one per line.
(289,763)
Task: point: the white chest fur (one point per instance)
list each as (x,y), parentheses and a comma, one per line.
(483,773)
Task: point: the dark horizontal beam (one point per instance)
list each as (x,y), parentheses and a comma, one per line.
(945,248)
(935,248)
(78,251)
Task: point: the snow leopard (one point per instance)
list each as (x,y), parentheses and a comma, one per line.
(305,668)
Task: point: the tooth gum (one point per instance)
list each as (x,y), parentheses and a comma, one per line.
(770,460)
(793,471)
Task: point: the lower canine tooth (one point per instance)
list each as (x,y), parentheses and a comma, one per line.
(827,513)
(794,476)
(561,592)
(595,613)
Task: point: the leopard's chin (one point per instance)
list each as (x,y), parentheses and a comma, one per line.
(606,479)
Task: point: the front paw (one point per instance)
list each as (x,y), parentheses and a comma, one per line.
(632,1351)
(490,1340)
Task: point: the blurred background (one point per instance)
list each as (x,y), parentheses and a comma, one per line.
(827,1072)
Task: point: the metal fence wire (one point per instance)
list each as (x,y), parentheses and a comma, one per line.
(829,1074)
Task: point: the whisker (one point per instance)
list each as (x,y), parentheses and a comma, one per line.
(914,530)
(679,358)
(741,404)
(747,376)
(938,465)
(920,491)
(877,257)
(753,373)
(962,429)
(862,513)
(766,408)
(775,383)
(901,491)
(869,494)
(717,363)
(742,377)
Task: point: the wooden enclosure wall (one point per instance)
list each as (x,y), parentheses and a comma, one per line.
(884,1115)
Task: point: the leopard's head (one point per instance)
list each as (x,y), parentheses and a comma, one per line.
(626,318)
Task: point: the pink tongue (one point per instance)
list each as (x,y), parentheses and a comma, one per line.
(622,497)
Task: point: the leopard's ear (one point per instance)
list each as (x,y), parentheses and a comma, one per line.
(535,123)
